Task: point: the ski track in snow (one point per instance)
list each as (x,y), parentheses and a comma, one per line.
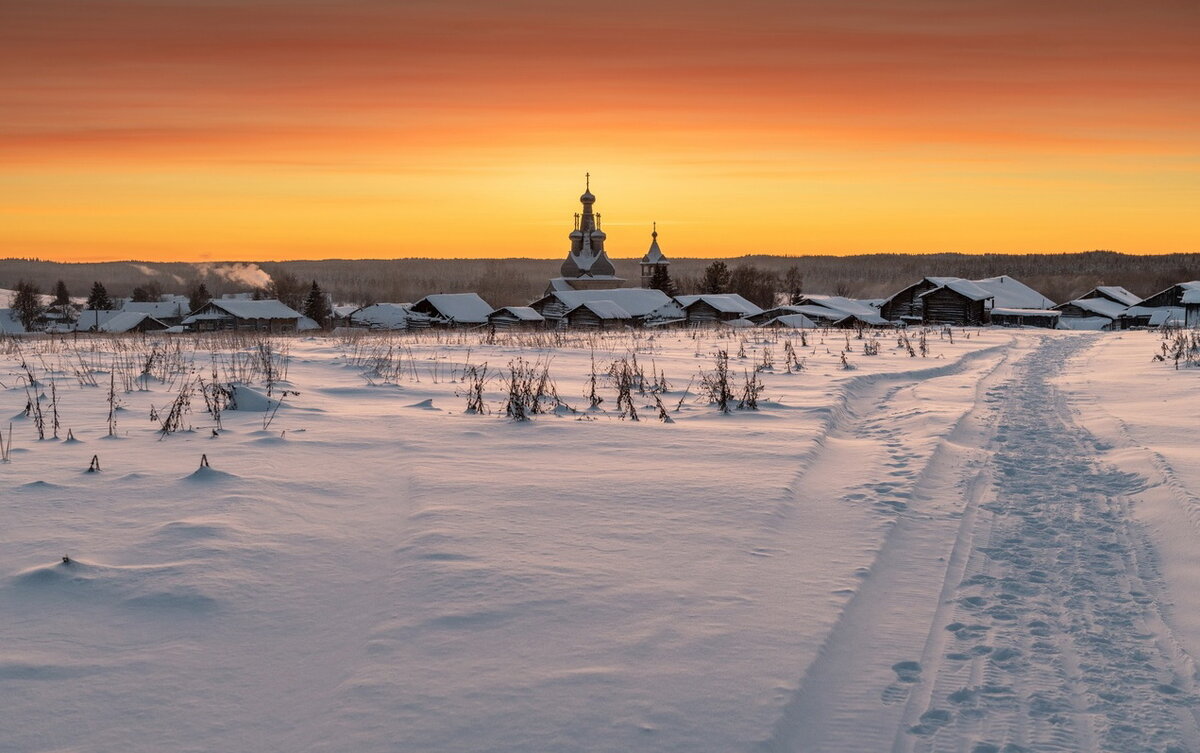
(1048,635)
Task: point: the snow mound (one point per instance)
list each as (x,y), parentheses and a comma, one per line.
(36,485)
(159,586)
(246,399)
(190,529)
(426,404)
(208,475)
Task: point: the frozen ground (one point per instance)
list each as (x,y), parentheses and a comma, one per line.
(990,548)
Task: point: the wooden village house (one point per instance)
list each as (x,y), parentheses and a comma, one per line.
(508,318)
(712,308)
(598,315)
(241,314)
(454,309)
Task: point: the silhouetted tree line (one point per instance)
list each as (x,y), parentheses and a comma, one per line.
(518,281)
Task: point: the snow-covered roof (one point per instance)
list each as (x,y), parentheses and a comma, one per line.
(965,288)
(829,309)
(247,309)
(875,320)
(1167,315)
(307,324)
(1025,312)
(603,309)
(729,303)
(10,323)
(654,255)
(124,321)
(1158,315)
(157,309)
(1008,292)
(840,303)
(1101,306)
(792,321)
(1191,296)
(815,312)
(936,282)
(1184,286)
(1116,293)
(559,284)
(90,319)
(463,308)
(343,310)
(522,313)
(736,323)
(384,316)
(639,302)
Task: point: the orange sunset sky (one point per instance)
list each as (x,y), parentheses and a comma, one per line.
(275,129)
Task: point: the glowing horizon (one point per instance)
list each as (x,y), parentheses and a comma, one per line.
(177,130)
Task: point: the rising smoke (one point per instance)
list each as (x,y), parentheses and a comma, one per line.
(241,273)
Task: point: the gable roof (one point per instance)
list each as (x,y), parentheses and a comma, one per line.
(10,323)
(874,320)
(244,309)
(792,321)
(463,308)
(127,320)
(839,303)
(1010,293)
(384,316)
(90,319)
(639,302)
(522,313)
(729,303)
(603,309)
(936,282)
(965,288)
(1100,306)
(157,309)
(1114,293)
(1183,288)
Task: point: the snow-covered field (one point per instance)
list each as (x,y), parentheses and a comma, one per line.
(989,547)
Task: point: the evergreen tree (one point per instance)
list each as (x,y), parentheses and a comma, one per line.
(716,278)
(26,304)
(198,296)
(61,296)
(98,299)
(316,305)
(660,279)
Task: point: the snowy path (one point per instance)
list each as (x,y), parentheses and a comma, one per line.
(1047,635)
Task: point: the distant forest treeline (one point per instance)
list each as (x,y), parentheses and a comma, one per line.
(502,282)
